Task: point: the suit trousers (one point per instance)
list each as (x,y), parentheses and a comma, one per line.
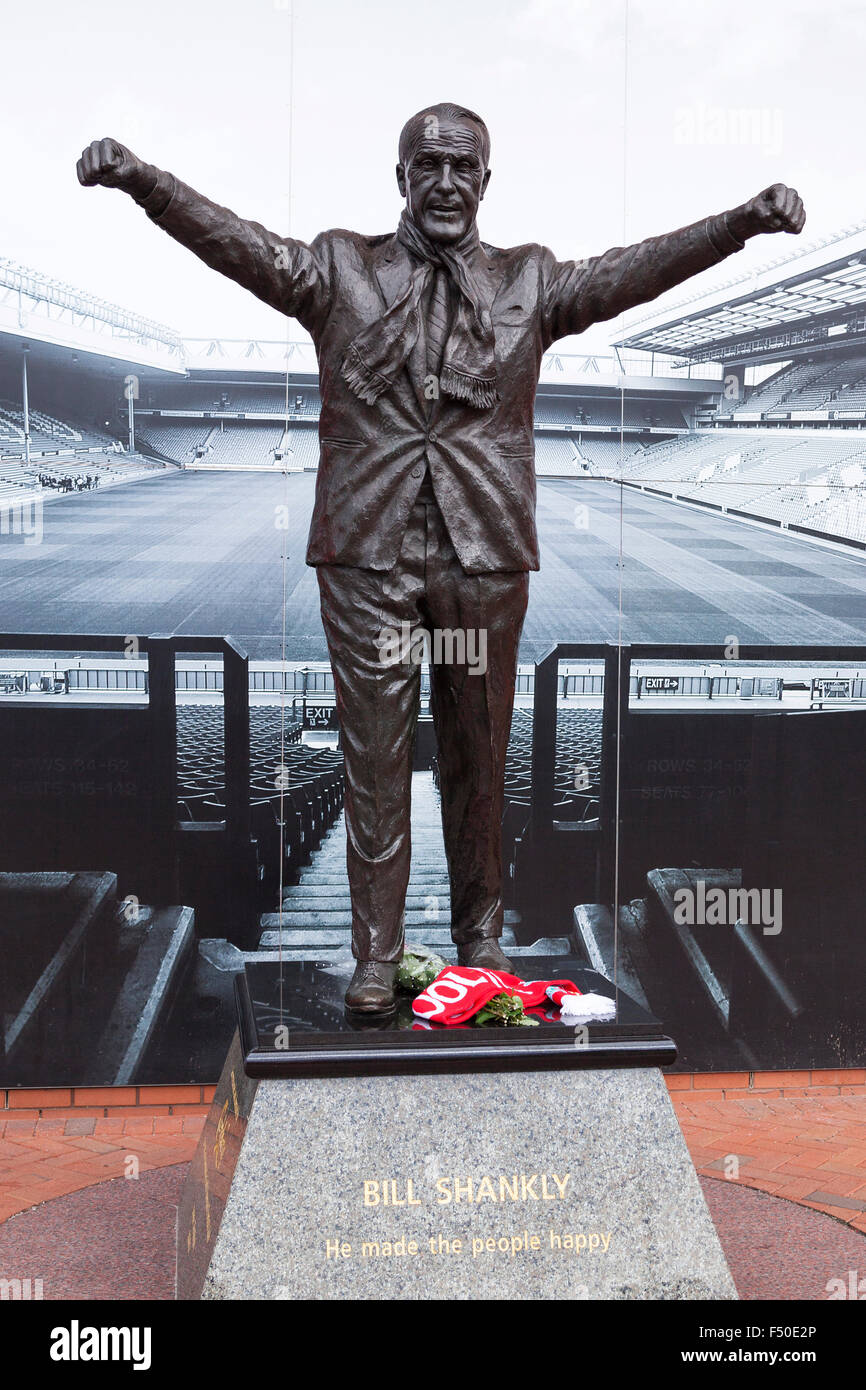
(375,623)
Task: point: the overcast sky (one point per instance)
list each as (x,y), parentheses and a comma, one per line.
(609,122)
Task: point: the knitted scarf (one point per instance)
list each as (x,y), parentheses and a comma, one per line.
(460,991)
(377,355)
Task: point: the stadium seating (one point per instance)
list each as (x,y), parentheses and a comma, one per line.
(554,410)
(805,391)
(69,473)
(296,791)
(578,747)
(608,413)
(220,397)
(232,445)
(13,493)
(243,445)
(47,433)
(852,396)
(302,449)
(10,432)
(557,458)
(799,477)
(604,455)
(770,393)
(176,442)
(806,386)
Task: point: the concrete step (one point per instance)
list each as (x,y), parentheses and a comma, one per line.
(301,953)
(434,937)
(334,902)
(421,838)
(312,914)
(226,958)
(322,940)
(428,835)
(87,901)
(312,918)
(704,947)
(336,862)
(340,917)
(147,993)
(594,938)
(200,1020)
(311,879)
(544,946)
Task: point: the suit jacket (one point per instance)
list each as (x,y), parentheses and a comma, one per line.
(372,457)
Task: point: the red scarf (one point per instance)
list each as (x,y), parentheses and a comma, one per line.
(459,992)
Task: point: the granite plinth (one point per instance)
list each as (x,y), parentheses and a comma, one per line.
(293,1022)
(568,1184)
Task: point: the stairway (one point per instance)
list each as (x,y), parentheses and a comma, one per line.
(316,916)
(315,925)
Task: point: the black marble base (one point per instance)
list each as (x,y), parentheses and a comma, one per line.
(293,1022)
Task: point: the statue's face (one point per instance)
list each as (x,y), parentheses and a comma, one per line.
(444,179)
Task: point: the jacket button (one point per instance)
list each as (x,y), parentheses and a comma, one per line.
(416,472)
(433,437)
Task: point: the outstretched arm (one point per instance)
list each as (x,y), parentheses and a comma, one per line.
(289,275)
(580,293)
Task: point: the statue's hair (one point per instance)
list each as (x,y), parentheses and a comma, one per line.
(442,111)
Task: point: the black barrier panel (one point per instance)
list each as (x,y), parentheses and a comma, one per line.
(77,792)
(683,779)
(799,950)
(723,869)
(742,871)
(96,930)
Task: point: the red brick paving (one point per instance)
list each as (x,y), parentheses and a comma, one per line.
(806,1148)
(49,1156)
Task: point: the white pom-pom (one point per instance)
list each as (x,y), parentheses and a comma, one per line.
(587,1008)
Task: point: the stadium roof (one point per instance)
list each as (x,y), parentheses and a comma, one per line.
(790,305)
(559,370)
(38,309)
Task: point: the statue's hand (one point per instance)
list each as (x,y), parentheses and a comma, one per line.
(114,166)
(776,209)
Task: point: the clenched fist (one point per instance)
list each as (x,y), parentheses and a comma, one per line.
(114,166)
(776,209)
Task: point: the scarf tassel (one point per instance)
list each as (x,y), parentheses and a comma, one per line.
(479,392)
(366,384)
(587,1008)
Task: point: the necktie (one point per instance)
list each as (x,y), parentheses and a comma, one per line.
(437,326)
(438,321)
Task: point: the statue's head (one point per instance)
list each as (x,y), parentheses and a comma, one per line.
(442,173)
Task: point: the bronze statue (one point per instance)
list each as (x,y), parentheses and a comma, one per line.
(429,344)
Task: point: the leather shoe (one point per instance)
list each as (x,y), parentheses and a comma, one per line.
(372,988)
(485,954)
